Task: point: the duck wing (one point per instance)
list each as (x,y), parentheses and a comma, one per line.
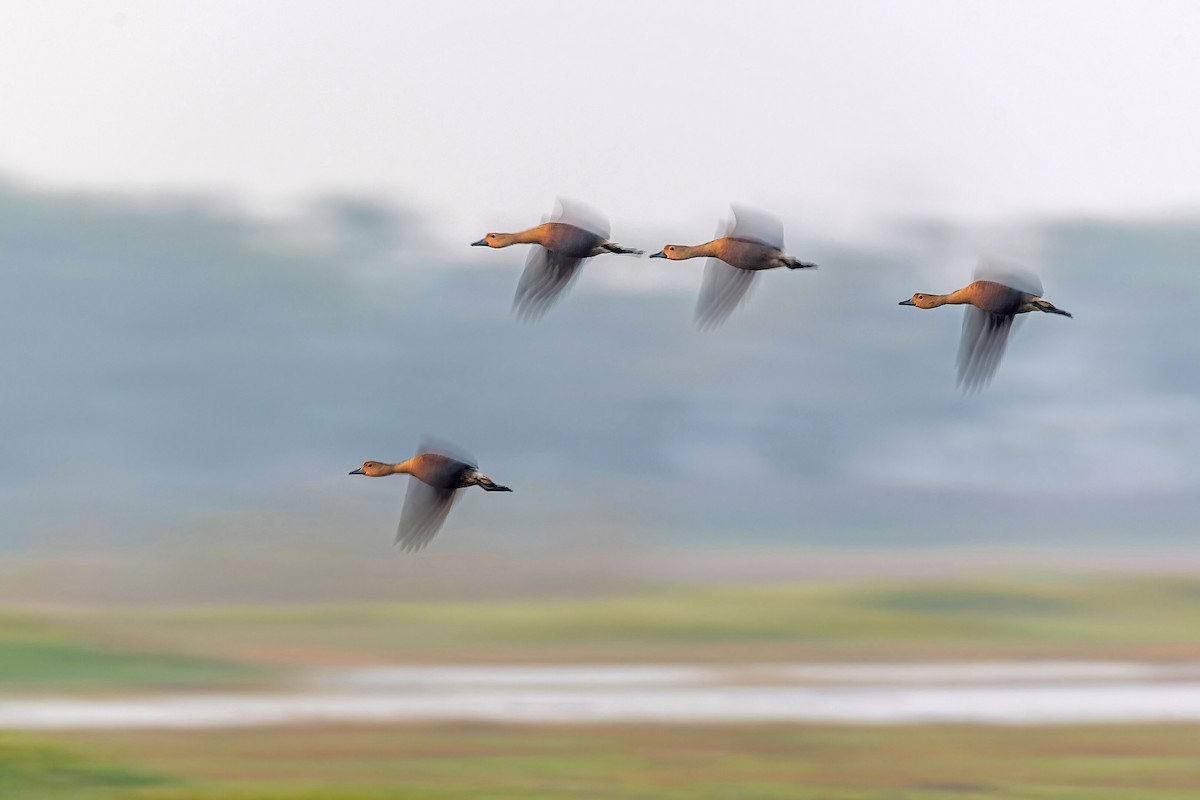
(724,286)
(549,273)
(441,447)
(582,216)
(427,503)
(984,338)
(754,225)
(547,276)
(425,509)
(724,289)
(1012,276)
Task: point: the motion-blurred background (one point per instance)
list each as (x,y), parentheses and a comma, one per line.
(235,247)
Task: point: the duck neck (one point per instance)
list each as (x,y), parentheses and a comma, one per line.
(404,467)
(696,251)
(956,298)
(530,236)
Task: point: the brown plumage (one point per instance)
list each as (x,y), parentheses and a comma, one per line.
(993,303)
(560,246)
(751,242)
(438,478)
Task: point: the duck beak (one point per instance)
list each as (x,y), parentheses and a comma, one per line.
(907,302)
(659,254)
(358,472)
(481,243)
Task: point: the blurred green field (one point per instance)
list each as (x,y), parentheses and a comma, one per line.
(452,762)
(58,651)
(1022,617)
(1030,617)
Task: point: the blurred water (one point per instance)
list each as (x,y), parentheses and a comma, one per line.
(592,675)
(1047,693)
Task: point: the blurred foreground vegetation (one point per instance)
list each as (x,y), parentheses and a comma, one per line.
(1017,617)
(115,650)
(495,762)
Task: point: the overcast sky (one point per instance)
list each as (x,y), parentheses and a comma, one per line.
(478,113)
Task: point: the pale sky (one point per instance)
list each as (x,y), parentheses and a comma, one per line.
(477,114)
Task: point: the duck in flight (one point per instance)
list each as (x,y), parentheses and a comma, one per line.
(438,478)
(993,300)
(573,234)
(749,243)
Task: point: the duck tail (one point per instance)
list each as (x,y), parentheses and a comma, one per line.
(1049,308)
(613,247)
(489,485)
(795,263)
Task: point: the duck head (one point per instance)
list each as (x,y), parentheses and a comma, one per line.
(674,252)
(924,301)
(494,240)
(373,469)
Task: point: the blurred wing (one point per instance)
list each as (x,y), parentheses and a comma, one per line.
(984,337)
(426,506)
(547,275)
(724,289)
(989,269)
(581,215)
(425,509)
(757,226)
(432,444)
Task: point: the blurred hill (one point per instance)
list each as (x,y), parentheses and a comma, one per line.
(176,372)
